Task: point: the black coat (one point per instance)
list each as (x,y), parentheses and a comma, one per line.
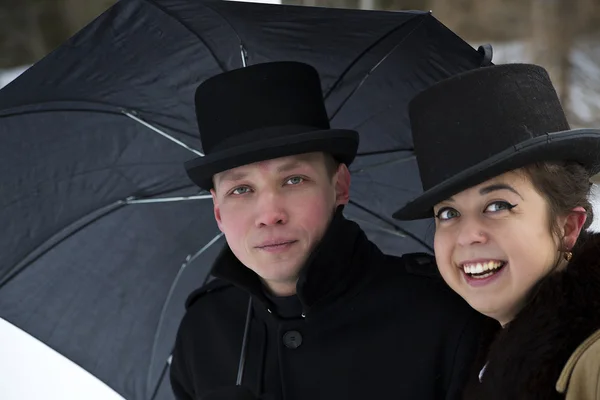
(524,360)
(363,325)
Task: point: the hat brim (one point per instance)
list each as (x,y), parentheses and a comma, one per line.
(342,144)
(578,145)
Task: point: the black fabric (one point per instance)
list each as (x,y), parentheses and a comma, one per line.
(526,358)
(371,330)
(229,393)
(481,123)
(260,112)
(267,95)
(285,306)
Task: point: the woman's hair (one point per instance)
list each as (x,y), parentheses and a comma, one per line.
(564,185)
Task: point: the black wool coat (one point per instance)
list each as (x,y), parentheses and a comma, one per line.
(363,325)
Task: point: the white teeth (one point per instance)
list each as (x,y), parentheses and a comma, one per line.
(479,268)
(483,276)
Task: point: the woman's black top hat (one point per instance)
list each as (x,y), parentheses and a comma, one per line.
(262,112)
(485,122)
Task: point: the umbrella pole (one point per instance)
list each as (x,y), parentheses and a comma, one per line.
(244,55)
(163,374)
(241,366)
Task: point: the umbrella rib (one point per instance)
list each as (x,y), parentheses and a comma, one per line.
(211,51)
(394,226)
(64,234)
(163,372)
(54,241)
(373,153)
(243,51)
(381,228)
(188,260)
(164,134)
(136,200)
(381,164)
(127,113)
(368,74)
(90,110)
(357,58)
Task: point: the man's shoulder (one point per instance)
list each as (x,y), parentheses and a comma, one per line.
(412,264)
(416,274)
(414,281)
(215,288)
(212,303)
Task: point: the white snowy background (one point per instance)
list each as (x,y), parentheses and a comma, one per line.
(31,370)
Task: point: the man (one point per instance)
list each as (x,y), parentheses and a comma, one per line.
(304,304)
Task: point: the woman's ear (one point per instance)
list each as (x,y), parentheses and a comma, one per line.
(573,224)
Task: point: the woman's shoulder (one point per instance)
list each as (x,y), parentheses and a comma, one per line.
(580,378)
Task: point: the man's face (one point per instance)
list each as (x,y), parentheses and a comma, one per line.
(273,213)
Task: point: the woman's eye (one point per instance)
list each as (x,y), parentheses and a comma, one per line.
(447,213)
(240,190)
(295,180)
(499,206)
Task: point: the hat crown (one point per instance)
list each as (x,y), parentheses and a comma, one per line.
(259,102)
(471,117)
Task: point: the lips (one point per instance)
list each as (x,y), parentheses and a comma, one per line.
(273,244)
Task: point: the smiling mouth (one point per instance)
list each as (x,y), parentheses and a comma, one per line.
(483,270)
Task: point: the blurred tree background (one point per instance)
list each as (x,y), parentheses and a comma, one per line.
(561,35)
(30,29)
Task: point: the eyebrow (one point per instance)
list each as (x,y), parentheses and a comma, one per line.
(232,176)
(492,188)
(290,166)
(498,186)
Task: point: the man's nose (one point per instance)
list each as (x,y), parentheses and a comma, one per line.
(271,210)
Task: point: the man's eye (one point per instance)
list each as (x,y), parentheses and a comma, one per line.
(295,180)
(499,206)
(447,213)
(240,190)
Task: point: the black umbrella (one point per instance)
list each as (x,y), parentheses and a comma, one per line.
(104,235)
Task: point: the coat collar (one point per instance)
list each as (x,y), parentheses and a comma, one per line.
(562,384)
(336,266)
(526,358)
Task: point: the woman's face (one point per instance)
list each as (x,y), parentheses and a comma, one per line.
(493,242)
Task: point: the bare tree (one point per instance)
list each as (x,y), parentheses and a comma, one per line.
(30,29)
(554,28)
(77,13)
(21,38)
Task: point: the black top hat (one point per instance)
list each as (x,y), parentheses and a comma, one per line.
(262,112)
(485,122)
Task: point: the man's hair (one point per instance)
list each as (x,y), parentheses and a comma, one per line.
(331,164)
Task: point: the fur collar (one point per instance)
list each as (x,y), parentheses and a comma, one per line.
(526,358)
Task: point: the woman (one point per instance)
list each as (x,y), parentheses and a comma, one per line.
(508,183)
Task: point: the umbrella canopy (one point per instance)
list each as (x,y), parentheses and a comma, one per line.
(104,235)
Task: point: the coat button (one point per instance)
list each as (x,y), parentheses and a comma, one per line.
(292,339)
